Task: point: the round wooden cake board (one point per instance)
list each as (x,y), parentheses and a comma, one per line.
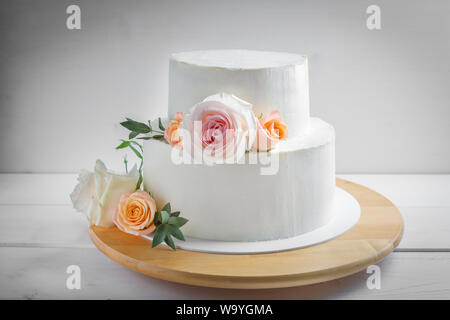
(377,233)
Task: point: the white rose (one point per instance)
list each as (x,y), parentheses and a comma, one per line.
(221,127)
(97,193)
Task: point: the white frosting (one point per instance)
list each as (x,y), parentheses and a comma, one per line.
(268,80)
(238,59)
(234,202)
(318,134)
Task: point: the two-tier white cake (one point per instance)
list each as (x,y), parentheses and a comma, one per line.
(290,195)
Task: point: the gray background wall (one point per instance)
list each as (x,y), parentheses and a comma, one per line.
(63,92)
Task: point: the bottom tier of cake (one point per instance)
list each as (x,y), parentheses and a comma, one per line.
(283,193)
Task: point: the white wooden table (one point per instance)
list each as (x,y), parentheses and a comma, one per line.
(41,235)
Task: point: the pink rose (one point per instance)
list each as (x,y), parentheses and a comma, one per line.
(271,129)
(171,134)
(135,213)
(221,127)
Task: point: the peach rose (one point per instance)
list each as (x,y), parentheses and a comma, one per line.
(271,129)
(135,213)
(171,133)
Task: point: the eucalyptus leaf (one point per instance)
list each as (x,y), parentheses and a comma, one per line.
(177,221)
(158,216)
(137,144)
(160,125)
(125,162)
(169,241)
(166,207)
(133,135)
(160,235)
(175,214)
(158,136)
(144,138)
(124,144)
(139,182)
(176,232)
(135,126)
(138,154)
(164,216)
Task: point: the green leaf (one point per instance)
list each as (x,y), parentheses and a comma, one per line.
(160,125)
(176,232)
(150,125)
(139,182)
(177,221)
(164,216)
(125,161)
(169,241)
(137,144)
(160,235)
(166,207)
(133,135)
(158,216)
(155,136)
(138,154)
(135,126)
(175,214)
(124,144)
(126,167)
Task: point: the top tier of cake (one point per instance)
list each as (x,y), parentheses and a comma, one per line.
(268,80)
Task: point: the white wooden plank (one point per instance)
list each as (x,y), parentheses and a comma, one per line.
(40,273)
(50,189)
(47,226)
(426,228)
(63,232)
(406,190)
(62,226)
